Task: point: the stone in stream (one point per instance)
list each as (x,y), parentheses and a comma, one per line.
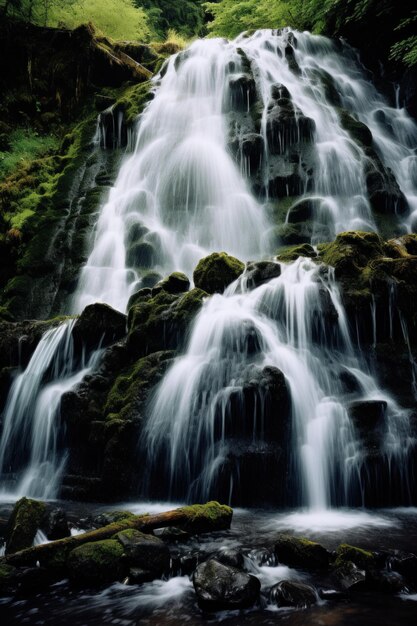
(222,587)
(56,526)
(98,324)
(231,557)
(294,594)
(405,563)
(97,563)
(145,551)
(23,524)
(215,272)
(350,577)
(300,552)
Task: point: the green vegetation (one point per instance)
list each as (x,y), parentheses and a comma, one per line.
(24,145)
(392,22)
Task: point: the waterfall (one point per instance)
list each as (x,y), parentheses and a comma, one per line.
(295,323)
(277,123)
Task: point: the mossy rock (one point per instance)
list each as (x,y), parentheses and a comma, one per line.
(159,321)
(177,282)
(217,271)
(145,551)
(300,552)
(98,324)
(7,578)
(97,563)
(294,252)
(351,251)
(109,517)
(346,553)
(23,524)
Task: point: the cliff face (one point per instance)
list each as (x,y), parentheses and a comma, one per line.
(54,84)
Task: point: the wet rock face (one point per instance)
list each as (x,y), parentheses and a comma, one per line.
(221,587)
(292,594)
(98,324)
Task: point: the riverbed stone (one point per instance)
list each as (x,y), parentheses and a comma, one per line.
(56,526)
(23,524)
(288,593)
(98,324)
(222,587)
(145,551)
(300,552)
(97,563)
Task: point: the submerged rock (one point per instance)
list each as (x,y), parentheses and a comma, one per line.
(23,524)
(217,271)
(294,594)
(222,587)
(300,552)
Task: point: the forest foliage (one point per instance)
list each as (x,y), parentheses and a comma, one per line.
(392,24)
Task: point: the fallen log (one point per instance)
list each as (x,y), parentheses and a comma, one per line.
(194,519)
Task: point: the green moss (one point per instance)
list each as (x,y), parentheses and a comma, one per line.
(130,390)
(301,552)
(292,253)
(355,247)
(23,524)
(361,558)
(207,517)
(96,563)
(134,99)
(216,271)
(7,574)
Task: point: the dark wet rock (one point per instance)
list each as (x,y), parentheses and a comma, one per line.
(357,130)
(24,522)
(145,551)
(96,563)
(18,340)
(242,88)
(221,587)
(177,282)
(138,576)
(350,577)
(384,581)
(384,193)
(261,272)
(56,526)
(29,580)
(301,211)
(405,563)
(141,255)
(231,557)
(287,126)
(159,321)
(98,325)
(368,415)
(172,533)
(300,552)
(294,594)
(217,271)
(364,559)
(189,562)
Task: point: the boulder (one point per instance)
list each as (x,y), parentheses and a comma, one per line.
(357,130)
(405,563)
(384,581)
(293,253)
(350,577)
(346,553)
(368,416)
(145,552)
(177,282)
(242,89)
(294,594)
(97,563)
(24,522)
(300,552)
(56,526)
(231,557)
(98,325)
(261,272)
(216,272)
(221,587)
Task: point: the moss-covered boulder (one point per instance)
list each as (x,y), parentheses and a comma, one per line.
(217,271)
(293,253)
(97,563)
(351,252)
(345,553)
(159,320)
(23,524)
(7,578)
(98,324)
(177,282)
(300,552)
(145,552)
(207,517)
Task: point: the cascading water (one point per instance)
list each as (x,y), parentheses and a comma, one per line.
(295,323)
(232,128)
(29,443)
